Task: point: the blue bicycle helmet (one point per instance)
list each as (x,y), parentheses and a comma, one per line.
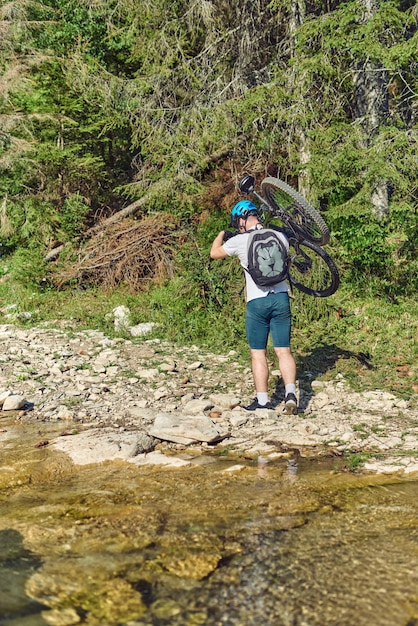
(244,209)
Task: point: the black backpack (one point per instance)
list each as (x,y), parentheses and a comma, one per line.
(268,259)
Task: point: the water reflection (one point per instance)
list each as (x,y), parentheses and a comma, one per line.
(290,469)
(17,565)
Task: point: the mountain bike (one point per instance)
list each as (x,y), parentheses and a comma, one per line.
(312,270)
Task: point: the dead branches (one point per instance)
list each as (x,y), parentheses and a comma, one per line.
(130,252)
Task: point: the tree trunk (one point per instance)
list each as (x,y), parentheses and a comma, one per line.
(371,106)
(297,16)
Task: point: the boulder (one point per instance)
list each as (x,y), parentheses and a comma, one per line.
(185,429)
(13,403)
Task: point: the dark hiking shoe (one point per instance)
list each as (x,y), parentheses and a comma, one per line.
(256,405)
(290,404)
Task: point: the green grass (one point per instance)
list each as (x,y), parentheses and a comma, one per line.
(356,460)
(372,342)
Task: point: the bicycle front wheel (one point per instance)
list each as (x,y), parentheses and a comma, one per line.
(297,213)
(312,270)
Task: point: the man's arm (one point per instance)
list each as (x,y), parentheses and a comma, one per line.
(217,250)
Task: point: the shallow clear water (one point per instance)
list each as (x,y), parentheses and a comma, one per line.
(293,543)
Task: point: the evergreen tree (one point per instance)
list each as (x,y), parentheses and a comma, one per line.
(100,101)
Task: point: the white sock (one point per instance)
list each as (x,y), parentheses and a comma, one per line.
(262,397)
(290,388)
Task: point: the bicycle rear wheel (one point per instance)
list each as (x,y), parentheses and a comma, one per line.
(298,213)
(312,270)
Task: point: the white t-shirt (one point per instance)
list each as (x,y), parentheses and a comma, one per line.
(237,246)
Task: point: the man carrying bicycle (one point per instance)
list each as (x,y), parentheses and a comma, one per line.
(267,311)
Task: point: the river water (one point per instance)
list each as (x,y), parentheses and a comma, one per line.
(295,542)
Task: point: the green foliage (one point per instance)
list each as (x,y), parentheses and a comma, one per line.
(73,216)
(204,303)
(110,101)
(377,254)
(26,223)
(27,267)
(347,33)
(178,308)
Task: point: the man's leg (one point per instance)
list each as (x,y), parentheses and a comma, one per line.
(287,368)
(257,330)
(260,370)
(280,326)
(287,365)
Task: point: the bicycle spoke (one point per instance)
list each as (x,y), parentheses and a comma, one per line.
(304,221)
(313,271)
(289,206)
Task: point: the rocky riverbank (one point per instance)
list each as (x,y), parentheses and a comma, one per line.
(147,401)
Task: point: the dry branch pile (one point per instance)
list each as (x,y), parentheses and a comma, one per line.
(130,252)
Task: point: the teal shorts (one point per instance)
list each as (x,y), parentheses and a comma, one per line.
(270,314)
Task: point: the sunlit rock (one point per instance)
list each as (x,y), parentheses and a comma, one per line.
(3,396)
(13,403)
(184,429)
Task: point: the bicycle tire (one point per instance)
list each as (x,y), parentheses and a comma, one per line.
(295,211)
(314,274)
